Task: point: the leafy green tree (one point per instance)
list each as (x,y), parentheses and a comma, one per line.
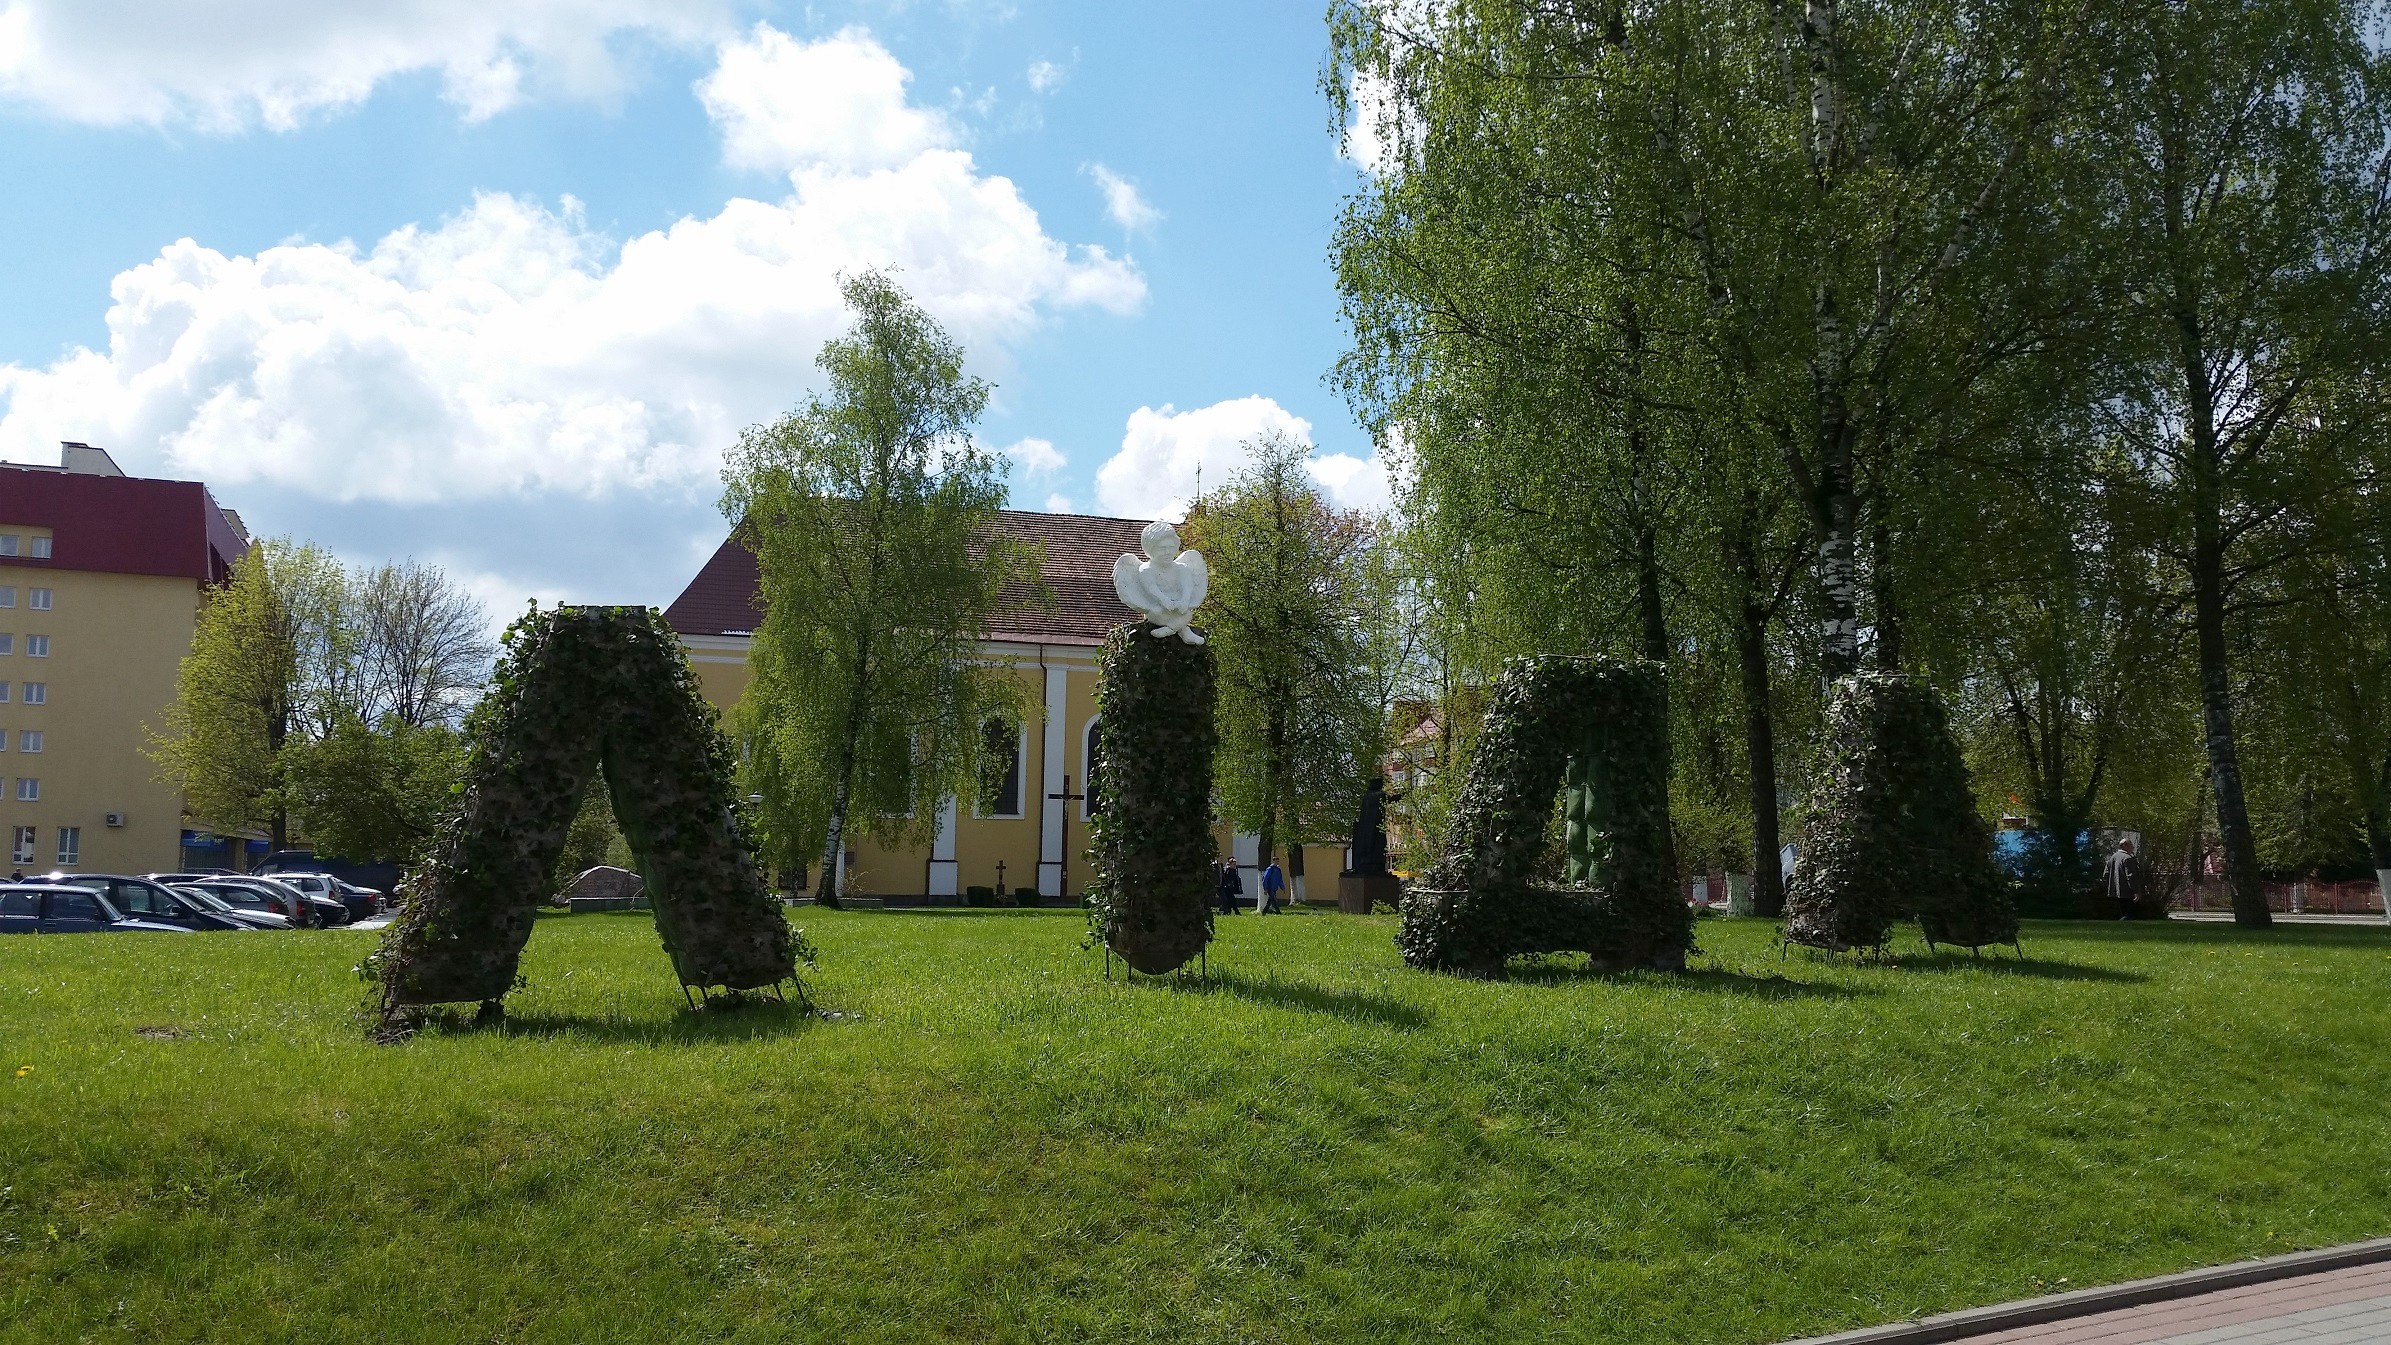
(1294,616)
(2253,212)
(253,688)
(871,513)
(370,791)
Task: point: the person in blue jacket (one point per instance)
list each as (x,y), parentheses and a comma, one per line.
(1273,883)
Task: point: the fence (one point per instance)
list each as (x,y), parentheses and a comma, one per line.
(2360,898)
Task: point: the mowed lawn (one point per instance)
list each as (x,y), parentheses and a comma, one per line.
(993,1143)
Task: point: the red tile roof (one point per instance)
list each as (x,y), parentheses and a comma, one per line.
(725,597)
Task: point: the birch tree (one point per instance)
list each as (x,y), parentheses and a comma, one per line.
(871,512)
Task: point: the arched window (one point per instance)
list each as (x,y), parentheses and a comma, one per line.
(1000,768)
(1092,754)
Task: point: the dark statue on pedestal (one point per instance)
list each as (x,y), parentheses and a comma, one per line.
(1367,882)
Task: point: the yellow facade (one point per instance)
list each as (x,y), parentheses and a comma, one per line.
(113,645)
(1048,840)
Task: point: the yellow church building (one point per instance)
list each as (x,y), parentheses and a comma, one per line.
(1036,835)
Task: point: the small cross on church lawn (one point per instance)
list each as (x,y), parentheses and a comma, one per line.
(1065,797)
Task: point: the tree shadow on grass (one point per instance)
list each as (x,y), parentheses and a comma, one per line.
(2032,968)
(1354,1005)
(750,1020)
(1711,980)
(984,912)
(2216,932)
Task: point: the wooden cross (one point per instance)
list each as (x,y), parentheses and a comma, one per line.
(1066,797)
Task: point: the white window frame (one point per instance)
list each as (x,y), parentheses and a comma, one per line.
(29,789)
(37,693)
(3,692)
(38,599)
(8,544)
(8,644)
(70,845)
(37,646)
(29,740)
(20,845)
(8,595)
(1020,764)
(39,548)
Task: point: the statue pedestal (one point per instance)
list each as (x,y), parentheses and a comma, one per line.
(1358,892)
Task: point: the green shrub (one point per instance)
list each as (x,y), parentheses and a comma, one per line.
(976,895)
(1151,901)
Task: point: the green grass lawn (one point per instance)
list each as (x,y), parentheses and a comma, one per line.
(993,1143)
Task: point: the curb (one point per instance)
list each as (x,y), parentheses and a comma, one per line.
(1960,1326)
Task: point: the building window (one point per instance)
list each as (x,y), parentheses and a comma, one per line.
(20,846)
(29,740)
(8,644)
(38,599)
(29,790)
(1093,755)
(41,548)
(3,693)
(8,544)
(37,693)
(37,646)
(70,845)
(8,595)
(1000,768)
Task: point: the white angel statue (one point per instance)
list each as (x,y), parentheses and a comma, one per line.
(1168,586)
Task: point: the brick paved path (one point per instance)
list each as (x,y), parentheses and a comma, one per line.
(2338,1307)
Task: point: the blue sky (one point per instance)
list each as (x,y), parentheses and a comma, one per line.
(491,283)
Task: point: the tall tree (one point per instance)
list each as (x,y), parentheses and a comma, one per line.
(1297,597)
(871,512)
(422,645)
(255,686)
(2253,203)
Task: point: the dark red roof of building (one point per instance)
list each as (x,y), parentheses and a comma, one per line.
(725,598)
(120,524)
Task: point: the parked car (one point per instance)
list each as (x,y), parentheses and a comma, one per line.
(362,901)
(356,901)
(282,898)
(46,908)
(142,899)
(258,904)
(262,917)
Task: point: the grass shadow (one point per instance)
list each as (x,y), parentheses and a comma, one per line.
(984,912)
(1354,1005)
(2222,931)
(750,1020)
(2033,968)
(1710,979)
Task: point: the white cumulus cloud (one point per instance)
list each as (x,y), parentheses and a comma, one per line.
(511,349)
(1167,454)
(227,65)
(1045,76)
(784,105)
(1122,200)
(1035,456)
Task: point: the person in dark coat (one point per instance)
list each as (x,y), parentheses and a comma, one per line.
(1227,885)
(2123,878)
(1274,882)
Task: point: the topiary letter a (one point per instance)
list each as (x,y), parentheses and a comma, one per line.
(1599,728)
(1152,899)
(580,687)
(1893,829)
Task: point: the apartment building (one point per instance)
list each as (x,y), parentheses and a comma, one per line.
(101,580)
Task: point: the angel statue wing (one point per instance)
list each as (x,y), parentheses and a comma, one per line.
(1199,578)
(1131,585)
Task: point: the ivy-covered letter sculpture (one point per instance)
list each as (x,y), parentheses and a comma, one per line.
(1600,729)
(1152,898)
(1893,829)
(582,687)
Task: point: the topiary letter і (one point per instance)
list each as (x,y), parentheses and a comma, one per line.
(1151,902)
(580,687)
(1600,728)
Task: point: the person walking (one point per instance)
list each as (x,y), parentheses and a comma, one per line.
(1227,885)
(1273,883)
(2123,878)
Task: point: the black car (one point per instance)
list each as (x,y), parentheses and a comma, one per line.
(261,917)
(283,899)
(47,908)
(142,899)
(252,904)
